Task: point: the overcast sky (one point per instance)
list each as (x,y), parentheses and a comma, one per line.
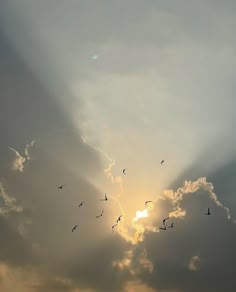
(88,88)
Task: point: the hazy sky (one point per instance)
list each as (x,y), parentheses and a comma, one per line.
(88,88)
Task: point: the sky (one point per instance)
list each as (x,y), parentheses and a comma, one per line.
(89,88)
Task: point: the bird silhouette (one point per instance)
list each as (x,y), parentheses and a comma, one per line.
(147,203)
(105,198)
(60,187)
(113,227)
(73,229)
(164,221)
(172,225)
(208,212)
(118,219)
(100,214)
(162,162)
(124,171)
(81,204)
(163,228)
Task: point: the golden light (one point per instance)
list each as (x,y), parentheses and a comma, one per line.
(141,214)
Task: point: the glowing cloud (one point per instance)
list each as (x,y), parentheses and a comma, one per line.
(188,188)
(141,214)
(8,203)
(19,161)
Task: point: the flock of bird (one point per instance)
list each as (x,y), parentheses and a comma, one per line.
(100,215)
(119,218)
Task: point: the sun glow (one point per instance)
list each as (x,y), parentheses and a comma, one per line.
(141,214)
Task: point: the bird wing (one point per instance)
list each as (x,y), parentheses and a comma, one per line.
(165,220)
(118,219)
(74,228)
(124,171)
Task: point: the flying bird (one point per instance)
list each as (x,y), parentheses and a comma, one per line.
(124,171)
(163,228)
(105,198)
(172,225)
(162,162)
(113,227)
(60,187)
(73,229)
(118,219)
(147,203)
(164,221)
(208,212)
(81,204)
(100,214)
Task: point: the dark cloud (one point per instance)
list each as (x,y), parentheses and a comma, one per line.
(89,252)
(209,238)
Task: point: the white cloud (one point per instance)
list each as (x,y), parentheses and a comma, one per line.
(27,149)
(8,203)
(190,187)
(19,161)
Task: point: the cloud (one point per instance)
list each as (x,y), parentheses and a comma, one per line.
(27,149)
(194,263)
(146,220)
(8,204)
(19,161)
(68,260)
(188,188)
(193,245)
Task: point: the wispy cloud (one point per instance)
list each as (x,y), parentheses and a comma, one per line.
(20,160)
(27,149)
(145,220)
(188,188)
(8,204)
(194,263)
(113,179)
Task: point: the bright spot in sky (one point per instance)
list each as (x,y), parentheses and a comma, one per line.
(94,57)
(141,214)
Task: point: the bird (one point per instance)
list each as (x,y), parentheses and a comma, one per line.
(163,228)
(81,204)
(208,212)
(118,219)
(172,225)
(100,214)
(124,171)
(60,187)
(147,203)
(164,221)
(105,198)
(113,227)
(74,228)
(162,162)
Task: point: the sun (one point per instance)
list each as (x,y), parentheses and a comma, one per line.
(141,214)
